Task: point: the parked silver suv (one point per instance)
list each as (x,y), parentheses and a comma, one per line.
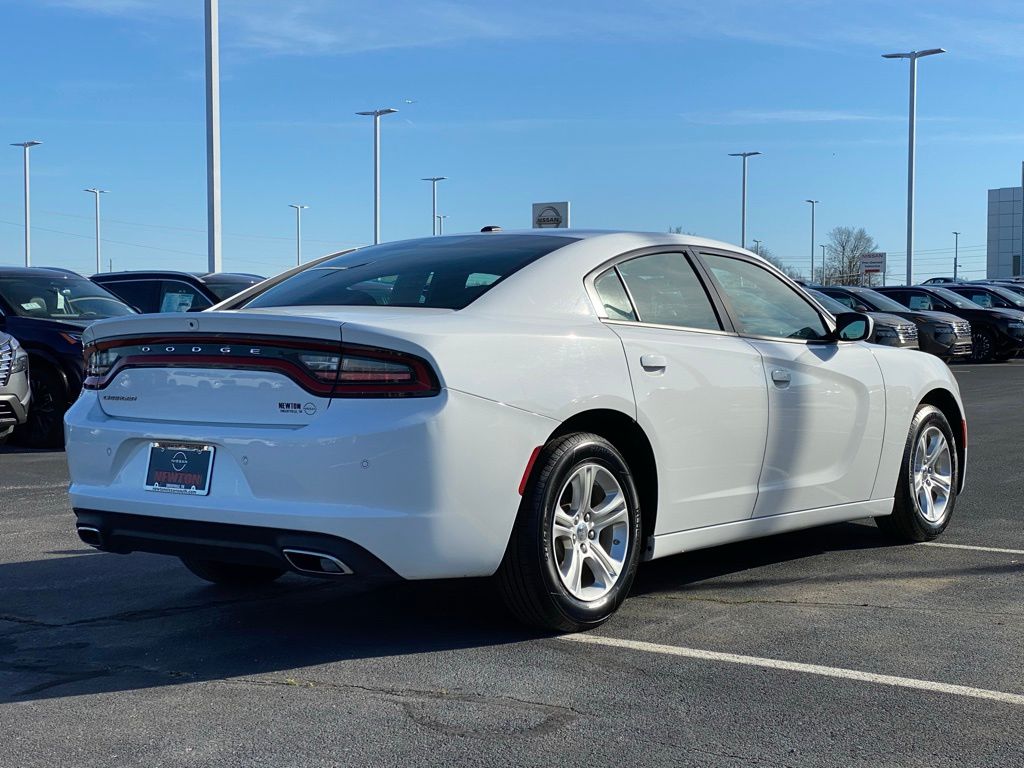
(14,388)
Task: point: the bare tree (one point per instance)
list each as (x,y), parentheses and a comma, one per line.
(775,261)
(846,245)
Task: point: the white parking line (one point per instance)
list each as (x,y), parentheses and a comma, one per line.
(792,666)
(973,548)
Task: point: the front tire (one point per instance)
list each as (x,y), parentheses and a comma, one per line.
(576,544)
(927,489)
(50,400)
(983,346)
(232,574)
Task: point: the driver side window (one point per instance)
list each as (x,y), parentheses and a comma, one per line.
(762,304)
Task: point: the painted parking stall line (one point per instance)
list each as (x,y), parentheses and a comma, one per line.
(793,666)
(973,548)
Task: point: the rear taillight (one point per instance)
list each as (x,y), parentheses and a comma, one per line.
(327,370)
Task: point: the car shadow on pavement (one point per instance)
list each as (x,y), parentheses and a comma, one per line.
(91,622)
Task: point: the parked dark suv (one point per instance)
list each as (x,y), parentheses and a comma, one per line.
(997,334)
(46,310)
(939,333)
(160,291)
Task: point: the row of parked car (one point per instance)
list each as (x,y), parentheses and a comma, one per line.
(42,315)
(44,311)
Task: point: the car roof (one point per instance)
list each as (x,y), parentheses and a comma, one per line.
(37,272)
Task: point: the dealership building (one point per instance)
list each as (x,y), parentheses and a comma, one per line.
(1005,230)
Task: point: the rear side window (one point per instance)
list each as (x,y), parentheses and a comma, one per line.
(666,291)
(613,296)
(919,301)
(842,298)
(446,273)
(176,296)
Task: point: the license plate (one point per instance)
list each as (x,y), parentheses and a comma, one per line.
(176,468)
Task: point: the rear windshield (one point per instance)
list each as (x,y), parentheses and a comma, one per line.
(224,288)
(60,297)
(446,273)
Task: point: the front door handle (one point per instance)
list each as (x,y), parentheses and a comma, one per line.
(781,378)
(653,362)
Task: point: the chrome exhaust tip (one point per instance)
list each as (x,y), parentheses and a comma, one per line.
(316,563)
(90,535)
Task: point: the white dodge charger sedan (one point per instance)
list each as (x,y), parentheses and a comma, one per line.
(550,407)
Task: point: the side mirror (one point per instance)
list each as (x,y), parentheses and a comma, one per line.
(854,326)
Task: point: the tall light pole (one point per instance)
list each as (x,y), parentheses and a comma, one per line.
(814,204)
(26,146)
(96,194)
(757,245)
(823,246)
(913,56)
(376,115)
(298,231)
(743,206)
(213,223)
(440,224)
(956,253)
(433,184)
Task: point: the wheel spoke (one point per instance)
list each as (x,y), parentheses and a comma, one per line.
(611,511)
(606,568)
(563,525)
(943,483)
(574,575)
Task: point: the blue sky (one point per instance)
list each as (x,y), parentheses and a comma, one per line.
(626,109)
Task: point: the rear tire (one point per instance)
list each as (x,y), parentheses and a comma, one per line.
(576,544)
(927,489)
(232,574)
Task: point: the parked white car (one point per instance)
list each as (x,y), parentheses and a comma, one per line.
(15,393)
(549,406)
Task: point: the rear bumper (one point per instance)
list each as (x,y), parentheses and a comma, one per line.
(429,486)
(231,543)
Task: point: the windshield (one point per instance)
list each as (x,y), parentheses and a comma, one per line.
(833,306)
(60,297)
(446,273)
(955,298)
(878,301)
(1011,296)
(224,288)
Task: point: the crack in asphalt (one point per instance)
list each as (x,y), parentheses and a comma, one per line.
(555,715)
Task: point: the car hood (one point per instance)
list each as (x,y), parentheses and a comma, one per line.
(930,316)
(884,318)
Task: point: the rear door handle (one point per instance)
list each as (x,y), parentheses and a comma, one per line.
(653,362)
(781,378)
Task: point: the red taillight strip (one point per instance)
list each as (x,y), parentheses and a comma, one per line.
(424,381)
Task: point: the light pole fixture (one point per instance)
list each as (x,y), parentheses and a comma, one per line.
(743,205)
(956,253)
(757,245)
(823,246)
(96,194)
(440,223)
(298,230)
(376,115)
(213,219)
(433,188)
(814,204)
(913,56)
(26,146)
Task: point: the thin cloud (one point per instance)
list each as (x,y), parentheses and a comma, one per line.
(980,29)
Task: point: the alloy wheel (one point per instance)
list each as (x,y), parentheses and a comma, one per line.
(590,532)
(933,474)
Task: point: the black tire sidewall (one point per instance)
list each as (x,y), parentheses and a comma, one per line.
(590,450)
(42,376)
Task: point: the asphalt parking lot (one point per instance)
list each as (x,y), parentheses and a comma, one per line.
(111,660)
